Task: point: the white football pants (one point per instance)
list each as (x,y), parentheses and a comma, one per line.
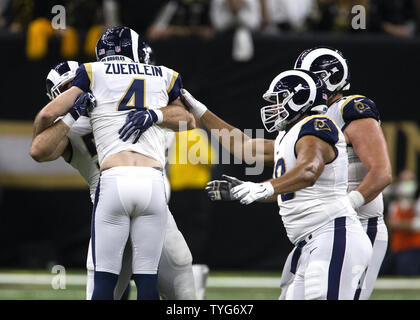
(129,204)
(377,232)
(175,274)
(329,264)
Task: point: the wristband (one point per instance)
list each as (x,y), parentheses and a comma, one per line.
(199,110)
(68,120)
(194,106)
(356,199)
(159,115)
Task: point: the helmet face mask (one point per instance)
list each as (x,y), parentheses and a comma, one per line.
(293,93)
(274,116)
(61,86)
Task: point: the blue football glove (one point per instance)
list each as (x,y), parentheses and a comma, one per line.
(83,104)
(136,123)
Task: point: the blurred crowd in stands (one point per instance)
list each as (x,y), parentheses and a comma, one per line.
(402,217)
(158,19)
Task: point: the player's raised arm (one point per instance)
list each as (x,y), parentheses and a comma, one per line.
(176,113)
(55,109)
(49,135)
(260,149)
(174,117)
(50,141)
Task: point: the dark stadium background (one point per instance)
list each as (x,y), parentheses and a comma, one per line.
(40,227)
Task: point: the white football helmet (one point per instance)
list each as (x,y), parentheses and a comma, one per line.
(293,93)
(59,76)
(329,64)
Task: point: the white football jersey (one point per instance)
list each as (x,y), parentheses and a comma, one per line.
(310,208)
(343,111)
(84,157)
(120,86)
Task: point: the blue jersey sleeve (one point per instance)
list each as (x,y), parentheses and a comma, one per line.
(174,90)
(321,127)
(359,108)
(83,78)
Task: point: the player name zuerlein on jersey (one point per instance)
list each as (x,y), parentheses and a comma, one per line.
(133,68)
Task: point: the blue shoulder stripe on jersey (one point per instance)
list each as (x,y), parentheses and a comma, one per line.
(321,127)
(359,107)
(175,91)
(82,79)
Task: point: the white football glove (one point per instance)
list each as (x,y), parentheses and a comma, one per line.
(249,192)
(194,106)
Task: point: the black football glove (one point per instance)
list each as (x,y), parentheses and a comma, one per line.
(220,190)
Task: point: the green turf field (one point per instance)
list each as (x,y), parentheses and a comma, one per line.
(24,285)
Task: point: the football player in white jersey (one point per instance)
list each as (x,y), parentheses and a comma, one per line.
(130,197)
(369,164)
(175,281)
(309,182)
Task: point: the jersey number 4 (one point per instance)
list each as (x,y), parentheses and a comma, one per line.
(279,170)
(133,97)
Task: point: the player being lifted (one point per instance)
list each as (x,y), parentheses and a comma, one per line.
(309,183)
(369,164)
(175,270)
(130,197)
